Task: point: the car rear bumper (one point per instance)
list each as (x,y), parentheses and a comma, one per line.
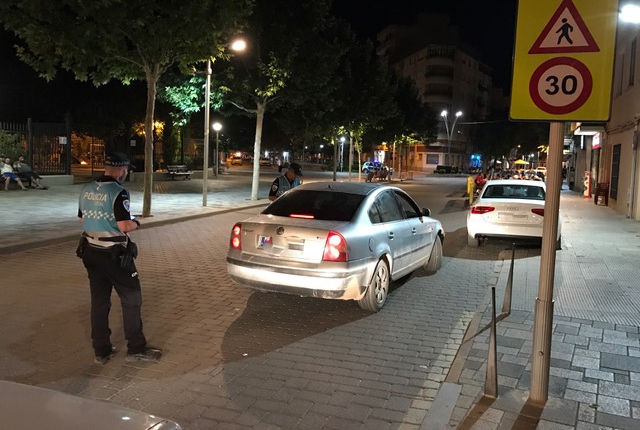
(348,284)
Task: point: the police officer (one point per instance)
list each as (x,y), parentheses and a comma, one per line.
(107,253)
(286,182)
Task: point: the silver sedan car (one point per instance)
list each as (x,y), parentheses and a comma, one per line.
(335,240)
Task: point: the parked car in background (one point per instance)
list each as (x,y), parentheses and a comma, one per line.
(509,208)
(335,240)
(236,160)
(369,166)
(265,161)
(26,407)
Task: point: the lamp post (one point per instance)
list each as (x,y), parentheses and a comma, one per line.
(238,45)
(217,127)
(450,131)
(303,148)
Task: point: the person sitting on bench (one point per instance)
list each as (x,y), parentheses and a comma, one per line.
(25,172)
(8,175)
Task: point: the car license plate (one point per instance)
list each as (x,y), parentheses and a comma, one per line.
(264,240)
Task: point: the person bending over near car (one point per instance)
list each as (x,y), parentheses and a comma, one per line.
(8,175)
(286,182)
(108,254)
(25,172)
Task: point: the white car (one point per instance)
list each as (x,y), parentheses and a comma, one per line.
(30,407)
(509,208)
(335,240)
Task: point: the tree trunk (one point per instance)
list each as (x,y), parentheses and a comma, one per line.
(255,183)
(152,79)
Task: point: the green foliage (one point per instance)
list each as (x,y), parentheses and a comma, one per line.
(11,145)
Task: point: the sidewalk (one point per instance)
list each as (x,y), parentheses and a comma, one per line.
(595,363)
(41,217)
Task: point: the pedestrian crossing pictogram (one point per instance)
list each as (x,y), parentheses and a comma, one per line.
(565,32)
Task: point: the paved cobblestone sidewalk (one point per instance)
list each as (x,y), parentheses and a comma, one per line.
(595,362)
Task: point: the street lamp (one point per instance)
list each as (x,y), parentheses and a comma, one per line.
(237,45)
(303,148)
(450,132)
(217,127)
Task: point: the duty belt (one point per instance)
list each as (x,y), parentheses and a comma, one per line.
(107,239)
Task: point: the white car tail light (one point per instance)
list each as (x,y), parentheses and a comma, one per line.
(538,211)
(235,241)
(335,248)
(479,210)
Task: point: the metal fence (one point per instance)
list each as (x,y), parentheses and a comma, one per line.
(48,145)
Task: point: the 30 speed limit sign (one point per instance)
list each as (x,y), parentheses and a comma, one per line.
(560,85)
(563,60)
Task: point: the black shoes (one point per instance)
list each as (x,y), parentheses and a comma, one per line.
(149,354)
(105,358)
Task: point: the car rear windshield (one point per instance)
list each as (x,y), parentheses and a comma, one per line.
(322,205)
(514,192)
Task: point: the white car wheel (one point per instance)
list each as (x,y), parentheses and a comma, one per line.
(435,260)
(378,289)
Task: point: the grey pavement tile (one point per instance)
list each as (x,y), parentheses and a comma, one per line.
(510,342)
(582,386)
(560,411)
(584,352)
(634,377)
(563,364)
(590,426)
(564,373)
(616,421)
(621,341)
(598,374)
(566,329)
(510,369)
(627,328)
(557,385)
(587,412)
(580,396)
(604,325)
(634,352)
(607,347)
(621,379)
(621,362)
(614,406)
(585,362)
(629,392)
(579,340)
(548,425)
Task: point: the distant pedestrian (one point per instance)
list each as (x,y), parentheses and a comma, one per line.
(25,172)
(108,254)
(9,175)
(286,182)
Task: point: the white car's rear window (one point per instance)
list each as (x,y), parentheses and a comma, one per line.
(527,192)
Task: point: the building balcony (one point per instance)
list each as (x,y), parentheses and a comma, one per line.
(439,80)
(432,98)
(440,61)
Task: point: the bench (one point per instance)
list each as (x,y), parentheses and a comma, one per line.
(179,170)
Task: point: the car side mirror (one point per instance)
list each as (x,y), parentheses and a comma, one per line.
(426,212)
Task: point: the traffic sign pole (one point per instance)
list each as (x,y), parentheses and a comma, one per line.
(543,319)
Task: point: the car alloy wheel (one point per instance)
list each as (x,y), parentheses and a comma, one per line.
(378,289)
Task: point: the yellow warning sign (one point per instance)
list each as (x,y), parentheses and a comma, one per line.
(563,62)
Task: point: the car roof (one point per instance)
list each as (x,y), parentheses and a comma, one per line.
(521,182)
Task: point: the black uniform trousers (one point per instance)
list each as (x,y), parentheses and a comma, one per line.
(105,273)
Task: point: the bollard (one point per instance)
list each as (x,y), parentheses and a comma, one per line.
(506,304)
(491,379)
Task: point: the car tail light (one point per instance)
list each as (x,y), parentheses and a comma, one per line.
(335,248)
(235,241)
(482,209)
(538,211)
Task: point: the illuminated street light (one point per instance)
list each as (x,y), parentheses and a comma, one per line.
(342,139)
(217,127)
(450,131)
(630,13)
(237,45)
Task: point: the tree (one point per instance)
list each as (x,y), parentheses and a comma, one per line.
(123,40)
(280,34)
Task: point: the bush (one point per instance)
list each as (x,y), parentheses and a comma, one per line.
(11,146)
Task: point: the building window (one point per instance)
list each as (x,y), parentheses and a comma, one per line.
(433,158)
(615,171)
(632,62)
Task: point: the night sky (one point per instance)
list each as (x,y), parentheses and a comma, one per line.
(489,29)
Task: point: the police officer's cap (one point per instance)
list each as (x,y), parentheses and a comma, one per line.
(116,159)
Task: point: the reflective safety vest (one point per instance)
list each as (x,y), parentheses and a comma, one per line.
(96,205)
